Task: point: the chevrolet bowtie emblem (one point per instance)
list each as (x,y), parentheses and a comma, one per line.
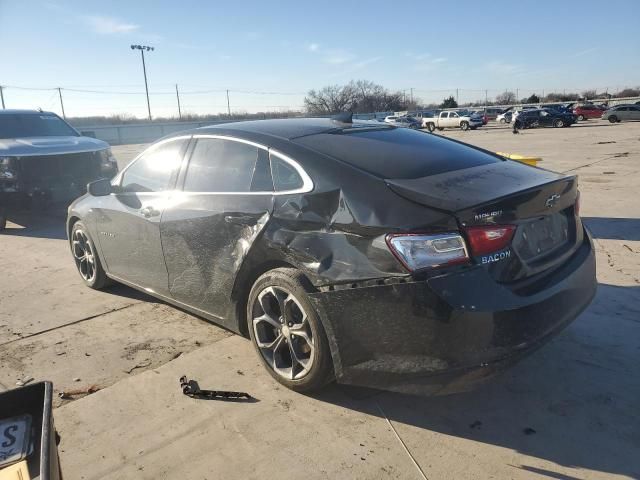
(552,200)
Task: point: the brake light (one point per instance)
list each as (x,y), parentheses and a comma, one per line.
(418,251)
(488,239)
(577,206)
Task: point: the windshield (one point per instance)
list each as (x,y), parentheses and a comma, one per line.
(21,125)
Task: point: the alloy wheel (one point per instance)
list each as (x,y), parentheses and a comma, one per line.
(283,333)
(84,255)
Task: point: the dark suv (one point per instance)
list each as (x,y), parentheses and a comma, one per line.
(45,160)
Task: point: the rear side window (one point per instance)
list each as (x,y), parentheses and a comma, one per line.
(152,171)
(218,165)
(285,176)
(398,153)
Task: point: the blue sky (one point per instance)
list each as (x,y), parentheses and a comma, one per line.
(282,49)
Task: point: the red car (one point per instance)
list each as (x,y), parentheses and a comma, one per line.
(587,111)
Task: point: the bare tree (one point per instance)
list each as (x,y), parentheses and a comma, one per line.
(506,98)
(330,99)
(360,96)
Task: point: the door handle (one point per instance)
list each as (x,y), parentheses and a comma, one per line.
(245,220)
(148,212)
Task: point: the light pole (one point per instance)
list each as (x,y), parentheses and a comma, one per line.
(142,48)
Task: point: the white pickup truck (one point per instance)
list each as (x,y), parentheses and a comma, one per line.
(451,119)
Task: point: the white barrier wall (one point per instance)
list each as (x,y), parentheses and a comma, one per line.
(138,133)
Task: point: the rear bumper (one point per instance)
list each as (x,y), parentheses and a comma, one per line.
(449,332)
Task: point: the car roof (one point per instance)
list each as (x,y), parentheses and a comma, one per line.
(24,112)
(287,128)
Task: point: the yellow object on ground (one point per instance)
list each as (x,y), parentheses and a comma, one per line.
(17,471)
(533,161)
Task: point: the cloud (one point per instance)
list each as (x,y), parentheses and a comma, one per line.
(504,68)
(364,63)
(253,35)
(424,62)
(313,47)
(338,56)
(582,53)
(109,25)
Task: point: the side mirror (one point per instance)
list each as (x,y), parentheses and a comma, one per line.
(99,188)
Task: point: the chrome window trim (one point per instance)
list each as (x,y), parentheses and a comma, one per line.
(307,183)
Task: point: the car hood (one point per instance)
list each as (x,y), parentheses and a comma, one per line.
(49,145)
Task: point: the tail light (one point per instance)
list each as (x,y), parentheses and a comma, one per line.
(577,205)
(488,239)
(418,251)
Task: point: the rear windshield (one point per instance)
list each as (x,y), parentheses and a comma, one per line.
(20,125)
(397,152)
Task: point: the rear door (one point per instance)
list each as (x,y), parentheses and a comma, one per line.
(128,221)
(634,113)
(225,202)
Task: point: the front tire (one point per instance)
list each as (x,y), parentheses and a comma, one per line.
(286,331)
(86,258)
(613,119)
(581,118)
(558,123)
(503,120)
(464,126)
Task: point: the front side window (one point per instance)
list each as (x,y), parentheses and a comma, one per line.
(285,176)
(219,165)
(152,171)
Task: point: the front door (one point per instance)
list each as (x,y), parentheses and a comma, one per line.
(128,221)
(210,226)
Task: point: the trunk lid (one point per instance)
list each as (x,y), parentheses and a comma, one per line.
(540,203)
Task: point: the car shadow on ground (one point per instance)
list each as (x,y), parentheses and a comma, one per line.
(613,228)
(37,225)
(573,402)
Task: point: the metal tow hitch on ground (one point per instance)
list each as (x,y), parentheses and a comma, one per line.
(191,389)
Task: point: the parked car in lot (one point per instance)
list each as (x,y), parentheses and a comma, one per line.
(622,112)
(583,112)
(481,115)
(45,160)
(452,119)
(446,264)
(403,121)
(505,117)
(544,117)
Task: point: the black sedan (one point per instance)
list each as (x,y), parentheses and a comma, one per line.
(360,252)
(546,117)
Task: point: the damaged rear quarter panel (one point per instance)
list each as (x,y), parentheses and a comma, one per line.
(336,233)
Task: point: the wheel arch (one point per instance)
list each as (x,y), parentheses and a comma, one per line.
(245,278)
(71,221)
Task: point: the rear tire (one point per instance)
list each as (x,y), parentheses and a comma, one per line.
(431,127)
(502,120)
(581,118)
(286,331)
(86,258)
(440,129)
(558,123)
(464,126)
(613,119)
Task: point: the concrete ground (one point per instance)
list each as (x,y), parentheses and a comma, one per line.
(568,411)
